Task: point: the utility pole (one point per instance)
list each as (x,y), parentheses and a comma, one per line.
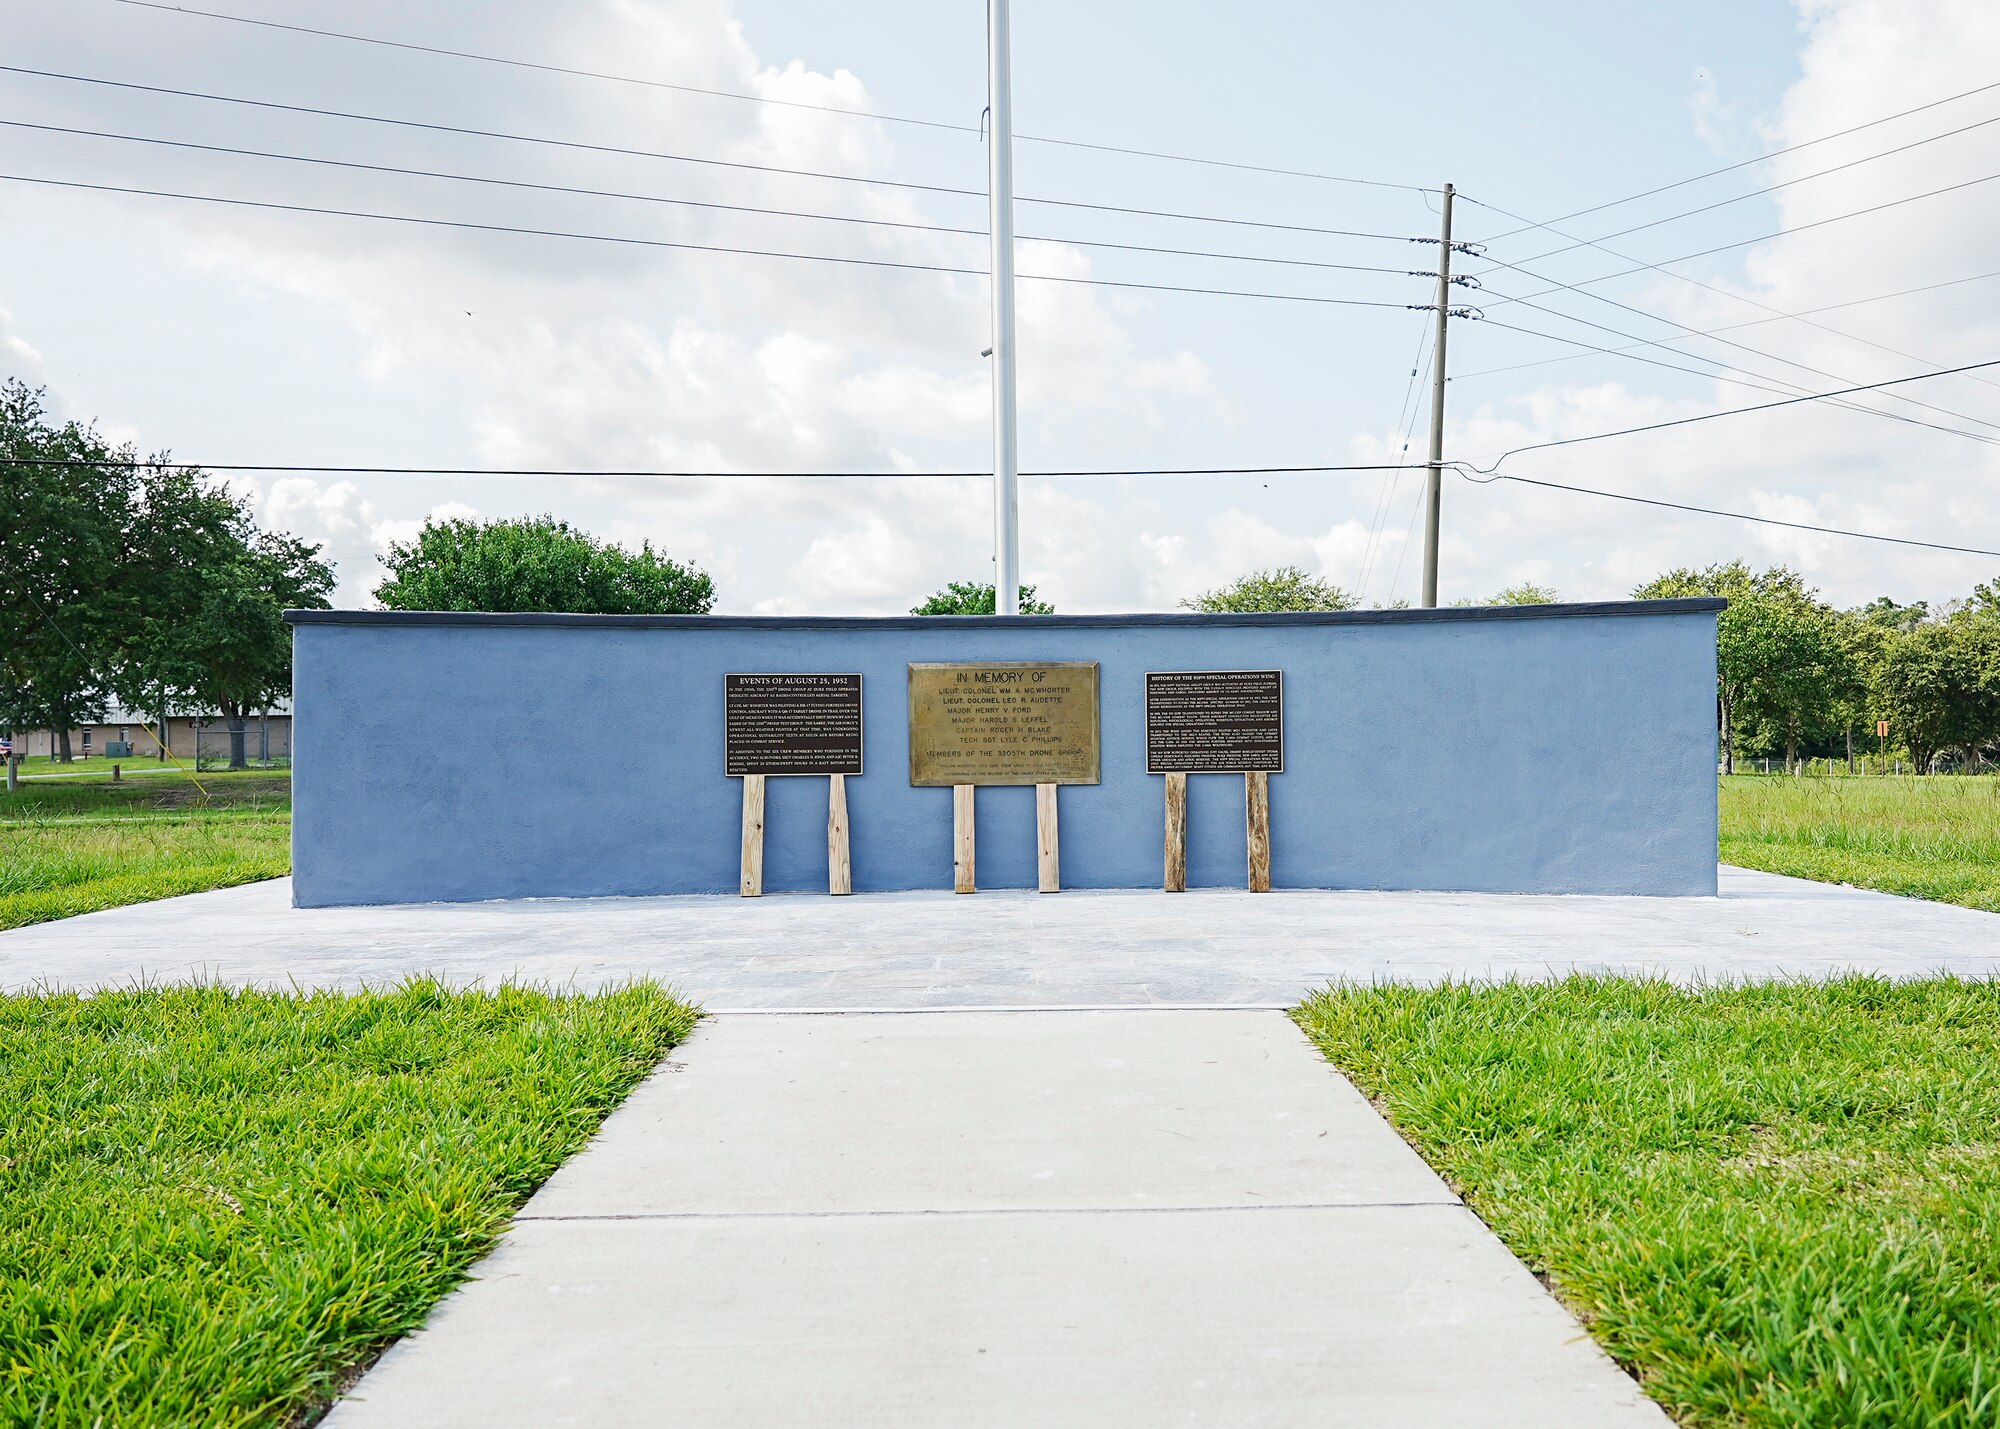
(1000,224)
(1434,491)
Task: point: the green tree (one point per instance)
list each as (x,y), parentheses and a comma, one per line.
(971,598)
(1526,593)
(1861,640)
(1284,588)
(181,556)
(140,580)
(1982,604)
(62,585)
(537,563)
(1806,668)
(234,648)
(1939,686)
(1778,651)
(1889,615)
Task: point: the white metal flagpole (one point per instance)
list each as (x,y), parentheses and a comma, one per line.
(1000,223)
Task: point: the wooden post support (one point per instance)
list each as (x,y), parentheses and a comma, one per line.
(1257,815)
(753,836)
(1176,833)
(962,880)
(839,868)
(1048,847)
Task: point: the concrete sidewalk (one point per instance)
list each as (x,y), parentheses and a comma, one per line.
(1009,949)
(1057,1218)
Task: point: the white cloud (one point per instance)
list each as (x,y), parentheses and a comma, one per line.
(541,352)
(18,357)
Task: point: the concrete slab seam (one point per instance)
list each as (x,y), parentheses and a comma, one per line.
(928,1213)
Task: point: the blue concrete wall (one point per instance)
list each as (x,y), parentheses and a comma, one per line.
(1565,749)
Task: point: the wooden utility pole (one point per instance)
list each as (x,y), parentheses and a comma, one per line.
(1434,491)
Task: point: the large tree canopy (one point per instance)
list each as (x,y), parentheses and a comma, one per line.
(537,563)
(141,582)
(1938,684)
(1282,588)
(971,598)
(1779,657)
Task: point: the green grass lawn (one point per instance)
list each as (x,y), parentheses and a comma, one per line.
(77,845)
(1932,837)
(1778,1205)
(216,1207)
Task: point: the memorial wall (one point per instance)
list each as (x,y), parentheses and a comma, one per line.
(1543,749)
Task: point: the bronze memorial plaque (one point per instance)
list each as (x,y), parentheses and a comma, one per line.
(1004,722)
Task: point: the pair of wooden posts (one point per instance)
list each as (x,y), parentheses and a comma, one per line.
(839,867)
(1048,840)
(1257,826)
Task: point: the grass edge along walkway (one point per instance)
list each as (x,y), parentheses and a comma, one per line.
(1936,836)
(218,1206)
(1777,1204)
(87,845)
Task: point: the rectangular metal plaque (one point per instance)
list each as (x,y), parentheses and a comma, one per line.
(791,724)
(1215,721)
(1004,722)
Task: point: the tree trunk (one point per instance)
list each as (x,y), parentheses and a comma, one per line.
(239,736)
(1791,750)
(62,746)
(1728,741)
(1850,749)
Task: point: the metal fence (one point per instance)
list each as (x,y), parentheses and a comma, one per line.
(267,744)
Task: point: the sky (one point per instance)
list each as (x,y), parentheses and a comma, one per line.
(228,334)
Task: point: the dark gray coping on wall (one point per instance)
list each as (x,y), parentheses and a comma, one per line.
(1691,606)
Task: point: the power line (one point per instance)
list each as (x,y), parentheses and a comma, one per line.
(1579,288)
(516,229)
(1385,500)
(1661,267)
(1776,316)
(1591,348)
(1762,238)
(1785,383)
(1744,381)
(1759,193)
(1730,412)
(764,99)
(694,203)
(580,145)
(122,463)
(1732,515)
(1731,168)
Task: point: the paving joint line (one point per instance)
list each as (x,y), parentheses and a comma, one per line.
(912,1214)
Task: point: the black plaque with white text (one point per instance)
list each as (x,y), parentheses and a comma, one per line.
(791,724)
(1215,721)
